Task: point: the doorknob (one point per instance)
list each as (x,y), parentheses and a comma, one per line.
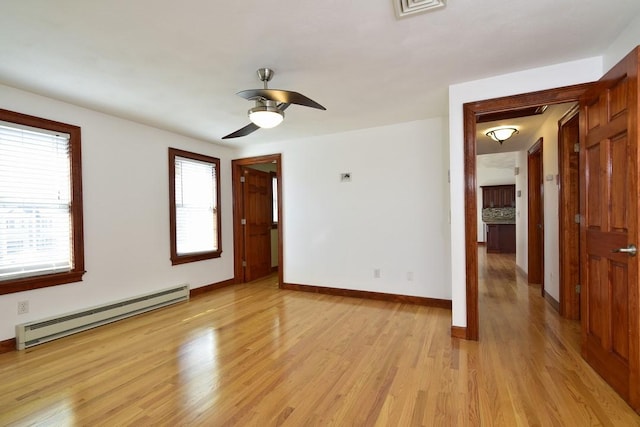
(631,250)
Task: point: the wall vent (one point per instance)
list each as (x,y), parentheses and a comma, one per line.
(38,332)
(406,8)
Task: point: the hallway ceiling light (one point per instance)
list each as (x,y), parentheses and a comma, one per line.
(502,134)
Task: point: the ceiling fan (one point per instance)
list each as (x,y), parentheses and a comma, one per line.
(269,105)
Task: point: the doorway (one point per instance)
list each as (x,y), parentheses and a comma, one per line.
(569,210)
(253,181)
(535,206)
(471,112)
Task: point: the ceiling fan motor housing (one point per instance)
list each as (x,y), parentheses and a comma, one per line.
(266,105)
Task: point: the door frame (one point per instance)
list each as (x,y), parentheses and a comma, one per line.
(238,235)
(471,110)
(569,238)
(535,211)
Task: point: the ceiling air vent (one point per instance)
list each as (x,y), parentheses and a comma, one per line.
(406,8)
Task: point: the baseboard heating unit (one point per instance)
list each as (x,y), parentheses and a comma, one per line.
(38,332)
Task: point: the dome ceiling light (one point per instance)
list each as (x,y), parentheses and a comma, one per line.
(502,134)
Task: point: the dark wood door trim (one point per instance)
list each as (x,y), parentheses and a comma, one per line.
(471,110)
(238,240)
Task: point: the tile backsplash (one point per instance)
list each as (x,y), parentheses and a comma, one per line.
(490,215)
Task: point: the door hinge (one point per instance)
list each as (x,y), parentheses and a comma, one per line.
(578,288)
(244,263)
(576,218)
(242,179)
(243,221)
(576,147)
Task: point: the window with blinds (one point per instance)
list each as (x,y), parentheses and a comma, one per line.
(37,236)
(195,218)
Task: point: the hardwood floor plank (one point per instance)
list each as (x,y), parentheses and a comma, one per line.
(253,354)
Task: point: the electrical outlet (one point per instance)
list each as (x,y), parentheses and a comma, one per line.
(23,307)
(376,273)
(410,276)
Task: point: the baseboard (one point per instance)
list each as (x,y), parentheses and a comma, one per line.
(212,287)
(274,268)
(482,243)
(406,299)
(555,304)
(459,332)
(7,345)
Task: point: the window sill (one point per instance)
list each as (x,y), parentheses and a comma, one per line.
(184,259)
(36,282)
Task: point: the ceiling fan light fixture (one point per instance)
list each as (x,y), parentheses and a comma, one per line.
(502,134)
(266,116)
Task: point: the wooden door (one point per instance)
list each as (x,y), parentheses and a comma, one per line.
(569,209)
(609,203)
(257,228)
(535,249)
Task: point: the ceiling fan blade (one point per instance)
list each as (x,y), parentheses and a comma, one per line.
(250,128)
(284,96)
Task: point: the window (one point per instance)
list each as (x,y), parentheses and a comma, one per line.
(274,198)
(194,194)
(41,241)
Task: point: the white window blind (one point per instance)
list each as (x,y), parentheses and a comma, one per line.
(35,202)
(196,206)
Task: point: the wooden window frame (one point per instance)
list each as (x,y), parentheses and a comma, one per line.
(77,233)
(177,259)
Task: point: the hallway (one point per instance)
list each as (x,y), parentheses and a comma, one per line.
(538,353)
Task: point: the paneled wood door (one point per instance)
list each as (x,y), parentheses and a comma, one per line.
(609,202)
(257,228)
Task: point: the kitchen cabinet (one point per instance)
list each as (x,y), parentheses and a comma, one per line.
(501,238)
(498,196)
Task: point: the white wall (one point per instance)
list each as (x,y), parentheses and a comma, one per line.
(392,216)
(552,76)
(489,176)
(522,213)
(126,213)
(549,133)
(628,39)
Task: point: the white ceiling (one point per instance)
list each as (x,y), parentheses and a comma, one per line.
(529,130)
(497,160)
(177,65)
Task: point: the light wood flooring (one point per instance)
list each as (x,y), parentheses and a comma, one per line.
(254,355)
